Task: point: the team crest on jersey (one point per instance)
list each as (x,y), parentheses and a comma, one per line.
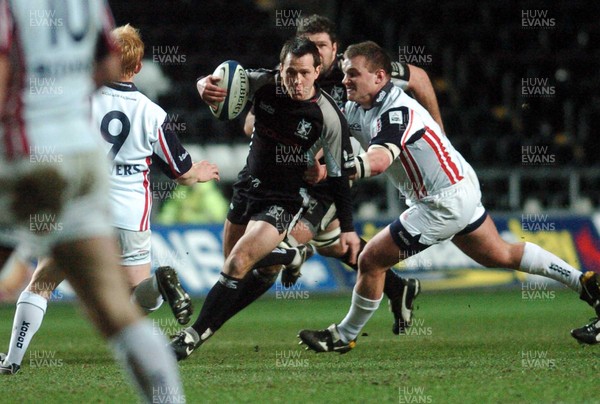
(337,93)
(303,129)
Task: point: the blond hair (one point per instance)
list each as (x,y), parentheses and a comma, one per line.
(129,41)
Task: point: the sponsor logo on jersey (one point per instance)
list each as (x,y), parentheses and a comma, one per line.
(381,96)
(303,129)
(266,107)
(396,117)
(183,156)
(355,127)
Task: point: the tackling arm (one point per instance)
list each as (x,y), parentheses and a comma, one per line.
(420,86)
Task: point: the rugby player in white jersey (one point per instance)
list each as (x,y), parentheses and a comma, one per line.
(135,133)
(405,142)
(53,174)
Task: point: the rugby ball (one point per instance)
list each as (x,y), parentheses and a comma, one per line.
(235,80)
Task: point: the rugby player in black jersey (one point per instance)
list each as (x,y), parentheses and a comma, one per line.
(294,120)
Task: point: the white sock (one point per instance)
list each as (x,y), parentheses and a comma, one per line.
(538,261)
(150,362)
(29,315)
(360,312)
(147,295)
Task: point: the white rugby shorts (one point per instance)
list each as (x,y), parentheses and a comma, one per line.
(135,246)
(437,218)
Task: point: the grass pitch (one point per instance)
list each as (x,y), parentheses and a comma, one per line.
(464,347)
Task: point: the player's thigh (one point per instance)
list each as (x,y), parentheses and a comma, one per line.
(380,253)
(486,247)
(135,254)
(259,240)
(302,233)
(136,273)
(231,234)
(327,241)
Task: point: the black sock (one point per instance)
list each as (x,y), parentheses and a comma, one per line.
(393,282)
(280,256)
(256,284)
(218,302)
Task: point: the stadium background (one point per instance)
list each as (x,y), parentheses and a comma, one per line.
(517,84)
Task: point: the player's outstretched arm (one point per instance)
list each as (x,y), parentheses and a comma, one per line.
(420,85)
(209,91)
(375,161)
(201,171)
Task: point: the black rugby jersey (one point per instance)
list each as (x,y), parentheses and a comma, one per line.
(287,135)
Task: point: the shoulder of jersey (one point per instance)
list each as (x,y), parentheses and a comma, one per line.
(234,80)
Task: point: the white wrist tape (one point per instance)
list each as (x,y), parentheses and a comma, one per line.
(363,168)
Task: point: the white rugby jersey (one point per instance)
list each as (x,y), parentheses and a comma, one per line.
(52,47)
(428,163)
(136,133)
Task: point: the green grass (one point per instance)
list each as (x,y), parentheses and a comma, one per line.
(467,347)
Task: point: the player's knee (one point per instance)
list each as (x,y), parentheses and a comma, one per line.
(237,264)
(367,260)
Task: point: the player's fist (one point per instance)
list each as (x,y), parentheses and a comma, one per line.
(209,91)
(206,171)
(350,243)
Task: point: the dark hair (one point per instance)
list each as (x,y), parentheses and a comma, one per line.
(315,24)
(375,56)
(298,47)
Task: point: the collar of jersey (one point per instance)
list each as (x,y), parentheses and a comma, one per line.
(122,86)
(382,94)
